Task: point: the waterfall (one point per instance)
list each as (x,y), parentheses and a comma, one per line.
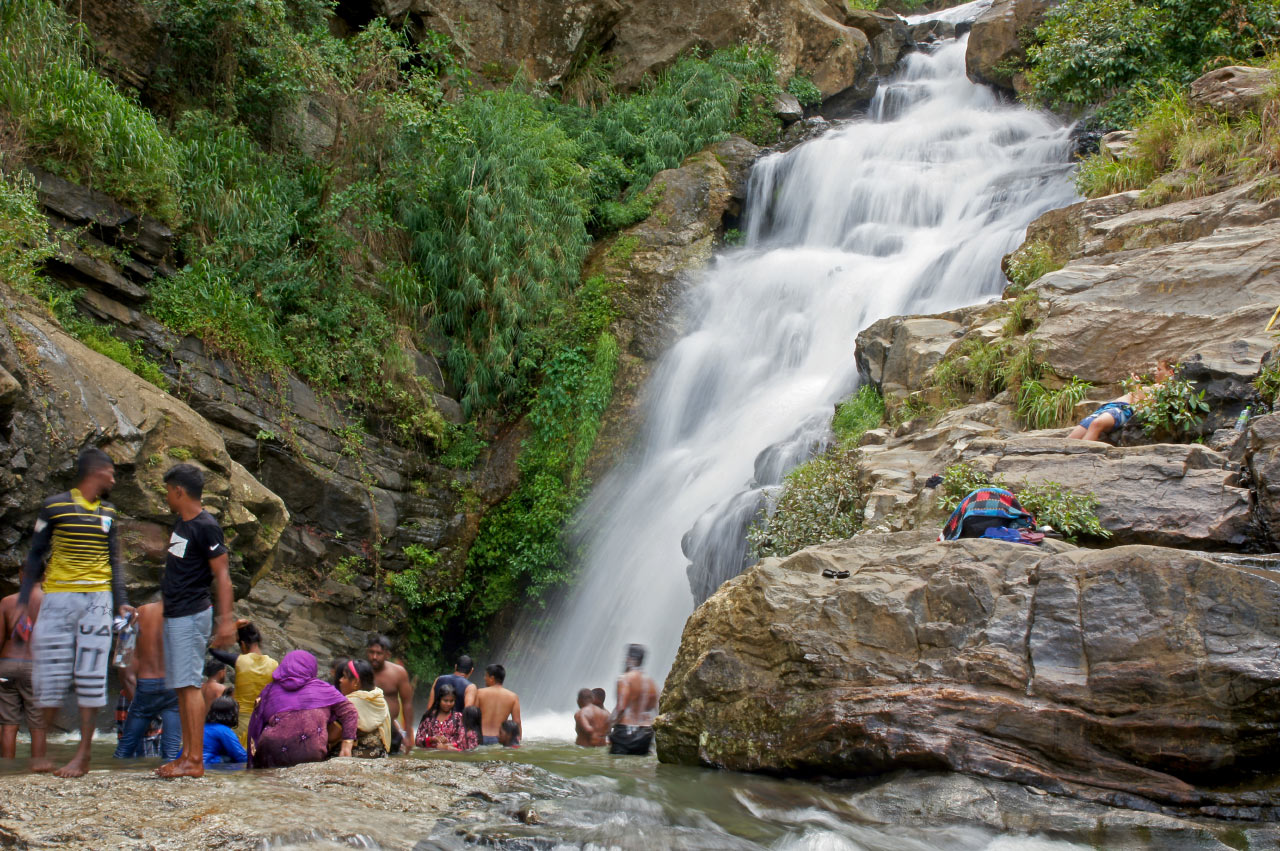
(908,210)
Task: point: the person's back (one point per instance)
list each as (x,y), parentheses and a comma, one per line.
(497,703)
(151,699)
(591,723)
(221,744)
(632,719)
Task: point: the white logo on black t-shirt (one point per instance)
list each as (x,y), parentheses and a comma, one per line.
(178,545)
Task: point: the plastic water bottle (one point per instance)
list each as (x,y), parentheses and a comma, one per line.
(1243,419)
(126,640)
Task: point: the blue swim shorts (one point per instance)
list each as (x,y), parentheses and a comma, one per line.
(1121,412)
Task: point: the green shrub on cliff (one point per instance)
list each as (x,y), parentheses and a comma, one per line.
(71,120)
(24,237)
(821,500)
(857,415)
(1118,53)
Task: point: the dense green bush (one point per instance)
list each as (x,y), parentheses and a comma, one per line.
(1171,409)
(821,500)
(858,414)
(24,239)
(1119,53)
(1072,514)
(72,120)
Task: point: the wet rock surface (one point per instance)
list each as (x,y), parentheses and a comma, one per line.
(1135,676)
(997,38)
(391,804)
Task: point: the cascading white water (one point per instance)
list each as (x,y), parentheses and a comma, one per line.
(906,211)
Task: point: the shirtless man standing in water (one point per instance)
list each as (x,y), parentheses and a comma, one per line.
(590,722)
(497,703)
(396,688)
(632,718)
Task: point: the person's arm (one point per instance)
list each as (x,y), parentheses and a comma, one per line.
(431,698)
(129,678)
(624,697)
(231,743)
(345,714)
(515,716)
(224,634)
(33,568)
(405,690)
(226,657)
(469,696)
(119,594)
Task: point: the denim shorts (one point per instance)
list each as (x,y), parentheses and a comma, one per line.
(185,641)
(1121,412)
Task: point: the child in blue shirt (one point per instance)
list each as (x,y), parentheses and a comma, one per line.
(221,744)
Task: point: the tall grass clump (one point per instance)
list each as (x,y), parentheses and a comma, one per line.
(72,121)
(857,415)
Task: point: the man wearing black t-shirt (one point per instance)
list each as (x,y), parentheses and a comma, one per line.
(197,558)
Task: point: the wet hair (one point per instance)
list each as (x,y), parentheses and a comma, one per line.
(635,653)
(91,461)
(585,696)
(498,673)
(599,695)
(213,667)
(335,671)
(379,640)
(464,665)
(442,692)
(223,711)
(248,635)
(471,718)
(364,672)
(188,477)
(512,729)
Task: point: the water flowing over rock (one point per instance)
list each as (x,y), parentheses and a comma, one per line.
(911,207)
(1135,676)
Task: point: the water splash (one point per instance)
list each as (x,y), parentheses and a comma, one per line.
(906,211)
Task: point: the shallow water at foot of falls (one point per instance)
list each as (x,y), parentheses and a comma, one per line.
(908,210)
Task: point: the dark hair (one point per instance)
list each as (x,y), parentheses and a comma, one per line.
(471,718)
(91,461)
(585,697)
(213,667)
(335,670)
(444,691)
(364,672)
(188,477)
(223,711)
(248,635)
(599,695)
(498,673)
(635,653)
(464,665)
(379,640)
(511,728)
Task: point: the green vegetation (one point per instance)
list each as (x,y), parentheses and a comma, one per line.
(24,240)
(1120,53)
(1182,151)
(1032,261)
(1042,406)
(74,122)
(1171,409)
(821,500)
(1073,515)
(1268,381)
(804,90)
(857,415)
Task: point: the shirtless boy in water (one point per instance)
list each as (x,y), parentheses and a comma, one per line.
(590,722)
(497,703)
(632,718)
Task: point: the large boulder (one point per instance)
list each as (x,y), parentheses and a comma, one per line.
(1211,296)
(1234,89)
(1134,676)
(897,353)
(1263,452)
(71,397)
(996,42)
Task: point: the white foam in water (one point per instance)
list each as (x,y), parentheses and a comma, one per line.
(908,211)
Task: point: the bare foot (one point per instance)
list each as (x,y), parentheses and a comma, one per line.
(43,765)
(78,767)
(182,767)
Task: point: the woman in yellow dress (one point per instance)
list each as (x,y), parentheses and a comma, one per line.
(253,671)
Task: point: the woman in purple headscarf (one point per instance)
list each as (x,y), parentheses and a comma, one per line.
(290,724)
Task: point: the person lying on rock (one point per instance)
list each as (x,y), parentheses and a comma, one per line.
(1114,414)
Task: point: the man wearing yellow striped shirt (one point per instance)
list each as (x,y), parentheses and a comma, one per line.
(76,552)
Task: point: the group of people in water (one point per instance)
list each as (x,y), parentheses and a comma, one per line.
(176,702)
